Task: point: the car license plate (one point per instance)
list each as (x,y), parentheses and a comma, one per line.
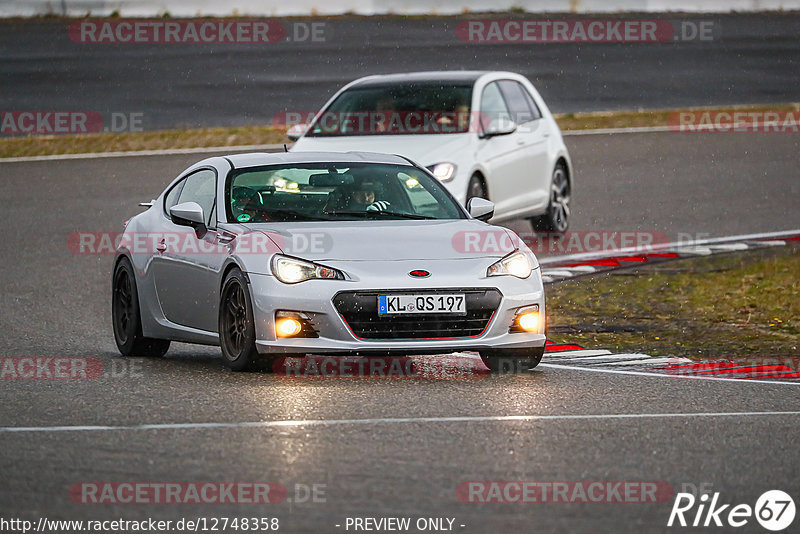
(395,304)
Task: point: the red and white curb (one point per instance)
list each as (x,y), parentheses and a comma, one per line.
(554,269)
(568,355)
(559,268)
(577,355)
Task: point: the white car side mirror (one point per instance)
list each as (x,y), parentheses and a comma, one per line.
(499,127)
(296,131)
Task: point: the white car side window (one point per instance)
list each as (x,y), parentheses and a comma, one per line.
(520,105)
(493,106)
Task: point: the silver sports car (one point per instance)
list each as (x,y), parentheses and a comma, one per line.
(271,255)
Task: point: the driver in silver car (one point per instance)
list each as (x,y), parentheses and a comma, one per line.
(356,198)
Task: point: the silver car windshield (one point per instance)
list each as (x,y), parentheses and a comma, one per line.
(328,191)
(405,108)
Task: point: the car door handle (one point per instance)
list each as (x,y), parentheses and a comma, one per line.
(161,246)
(225,237)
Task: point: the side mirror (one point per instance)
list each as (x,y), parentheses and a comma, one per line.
(188,214)
(480,208)
(499,127)
(296,131)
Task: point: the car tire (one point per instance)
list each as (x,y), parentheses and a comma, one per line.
(556,218)
(237,331)
(512,360)
(126,317)
(476,188)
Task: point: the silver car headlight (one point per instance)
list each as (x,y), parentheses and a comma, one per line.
(515,264)
(444,171)
(293,271)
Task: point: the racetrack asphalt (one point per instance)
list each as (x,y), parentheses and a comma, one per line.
(383,447)
(746,59)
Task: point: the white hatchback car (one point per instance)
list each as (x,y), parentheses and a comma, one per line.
(482,134)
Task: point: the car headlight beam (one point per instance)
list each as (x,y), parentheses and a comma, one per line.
(528,320)
(444,171)
(515,264)
(288,326)
(293,270)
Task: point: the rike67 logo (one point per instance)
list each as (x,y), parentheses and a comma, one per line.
(774,510)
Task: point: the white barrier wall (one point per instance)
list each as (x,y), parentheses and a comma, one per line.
(190,8)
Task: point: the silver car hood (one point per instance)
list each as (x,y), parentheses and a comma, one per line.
(389,240)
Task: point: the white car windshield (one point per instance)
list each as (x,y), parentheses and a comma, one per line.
(336,191)
(402,108)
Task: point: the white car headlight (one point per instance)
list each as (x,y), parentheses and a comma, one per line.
(515,264)
(444,172)
(292,270)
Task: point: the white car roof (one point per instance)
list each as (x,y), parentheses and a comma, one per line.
(468,76)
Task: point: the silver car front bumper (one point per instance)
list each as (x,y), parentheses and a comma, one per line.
(315,299)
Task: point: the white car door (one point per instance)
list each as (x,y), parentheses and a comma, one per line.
(532,184)
(503,156)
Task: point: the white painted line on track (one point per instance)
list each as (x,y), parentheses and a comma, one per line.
(729,246)
(665,375)
(580,269)
(558,273)
(632,356)
(697,251)
(651,361)
(603,131)
(383,421)
(609,356)
(568,272)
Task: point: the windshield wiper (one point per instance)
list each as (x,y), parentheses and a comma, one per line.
(368,213)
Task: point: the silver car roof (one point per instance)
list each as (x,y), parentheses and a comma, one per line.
(259,159)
